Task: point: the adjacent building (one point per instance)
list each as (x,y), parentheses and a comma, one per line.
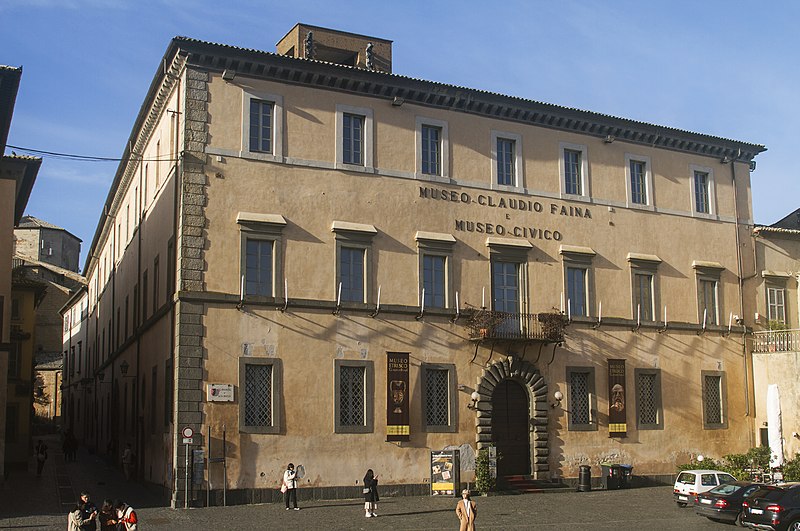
(44,242)
(17,175)
(342,267)
(776,340)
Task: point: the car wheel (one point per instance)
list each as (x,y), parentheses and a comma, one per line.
(738,521)
(681,504)
(794,526)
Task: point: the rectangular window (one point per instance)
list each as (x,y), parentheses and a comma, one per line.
(260,384)
(643,296)
(438,398)
(170,268)
(701,192)
(12,423)
(127,316)
(708,301)
(580,414)
(638,171)
(577,291)
(259,267)
(261,126)
(776,307)
(15,360)
(258,395)
(573,180)
(433,282)
(506,162)
(431,150)
(351,274)
(154,399)
(155,284)
(168,376)
(353,396)
(352,139)
(714,400)
(648,399)
(144,296)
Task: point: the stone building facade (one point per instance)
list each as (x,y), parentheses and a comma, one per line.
(42,241)
(346,268)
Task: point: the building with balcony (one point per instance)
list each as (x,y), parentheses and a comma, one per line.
(342,267)
(775,341)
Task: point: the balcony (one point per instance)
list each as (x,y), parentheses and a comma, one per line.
(488,324)
(776,341)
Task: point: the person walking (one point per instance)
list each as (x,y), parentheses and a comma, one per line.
(370,494)
(126,516)
(466,510)
(289,487)
(127,461)
(41,456)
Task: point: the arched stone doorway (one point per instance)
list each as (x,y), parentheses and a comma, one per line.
(513,400)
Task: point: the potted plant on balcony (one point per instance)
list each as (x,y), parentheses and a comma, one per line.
(775,338)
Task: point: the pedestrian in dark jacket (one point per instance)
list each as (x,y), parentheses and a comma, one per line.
(107,516)
(370,494)
(41,456)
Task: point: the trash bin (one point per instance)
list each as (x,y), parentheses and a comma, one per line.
(626,475)
(584,478)
(612,476)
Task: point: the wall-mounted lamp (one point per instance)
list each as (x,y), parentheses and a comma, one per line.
(559,396)
(101,376)
(397,101)
(228,75)
(475,397)
(609,139)
(123,368)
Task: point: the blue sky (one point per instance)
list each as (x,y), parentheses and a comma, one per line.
(721,67)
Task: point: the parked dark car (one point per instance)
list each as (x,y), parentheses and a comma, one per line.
(776,508)
(724,503)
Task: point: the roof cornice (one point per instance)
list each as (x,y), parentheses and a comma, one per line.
(330,76)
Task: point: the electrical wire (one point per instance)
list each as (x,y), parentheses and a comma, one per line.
(85,158)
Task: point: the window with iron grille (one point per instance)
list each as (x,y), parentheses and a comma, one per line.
(353,396)
(648,398)
(714,399)
(581,402)
(258,395)
(260,384)
(437,397)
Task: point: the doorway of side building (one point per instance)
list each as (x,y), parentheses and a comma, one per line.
(510,428)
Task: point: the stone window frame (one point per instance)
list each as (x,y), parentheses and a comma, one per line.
(723,400)
(658,399)
(444,145)
(277,125)
(263,227)
(592,392)
(452,389)
(709,272)
(512,251)
(354,236)
(778,281)
(368,138)
(519,166)
(645,264)
(712,194)
(579,258)
(276,399)
(369,396)
(437,244)
(649,203)
(586,191)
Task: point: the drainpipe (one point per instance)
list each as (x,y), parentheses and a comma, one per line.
(741,291)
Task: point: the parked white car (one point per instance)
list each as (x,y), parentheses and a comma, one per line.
(690,483)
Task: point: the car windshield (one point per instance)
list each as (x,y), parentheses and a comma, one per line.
(686,477)
(726,489)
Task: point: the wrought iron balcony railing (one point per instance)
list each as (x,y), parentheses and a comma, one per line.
(776,341)
(489,324)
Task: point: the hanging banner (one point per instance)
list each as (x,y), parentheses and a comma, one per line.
(397,416)
(617,423)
